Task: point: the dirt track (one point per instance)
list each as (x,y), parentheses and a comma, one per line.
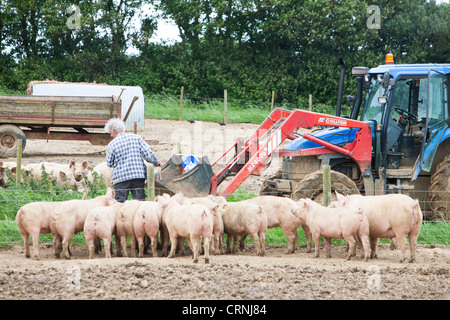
(235,277)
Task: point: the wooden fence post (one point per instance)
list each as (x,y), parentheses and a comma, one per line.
(310,102)
(273,100)
(181,103)
(19,162)
(151,181)
(326,185)
(225,102)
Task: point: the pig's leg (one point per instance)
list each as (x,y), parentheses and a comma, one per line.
(206,242)
(328,246)
(140,241)
(401,240)
(165,241)
(316,245)
(123,242)
(107,245)
(242,242)
(365,247)
(133,246)
(195,240)
(118,246)
(255,239)
(154,242)
(65,244)
(351,242)
(91,247)
(373,248)
(262,241)
(292,240)
(173,247)
(412,245)
(308,237)
(57,245)
(228,243)
(235,241)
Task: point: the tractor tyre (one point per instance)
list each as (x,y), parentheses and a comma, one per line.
(265,188)
(9,140)
(311,186)
(439,191)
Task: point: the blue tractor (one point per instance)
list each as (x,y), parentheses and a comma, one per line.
(408,106)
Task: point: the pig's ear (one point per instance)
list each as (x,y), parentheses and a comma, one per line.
(339,196)
(85,164)
(109,192)
(179,197)
(63,176)
(162,202)
(71,164)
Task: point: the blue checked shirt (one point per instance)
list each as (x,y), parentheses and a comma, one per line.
(124,154)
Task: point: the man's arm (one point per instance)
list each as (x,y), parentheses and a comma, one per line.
(148,154)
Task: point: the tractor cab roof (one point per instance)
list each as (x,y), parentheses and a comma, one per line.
(397,70)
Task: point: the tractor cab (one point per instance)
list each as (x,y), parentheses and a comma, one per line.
(408,105)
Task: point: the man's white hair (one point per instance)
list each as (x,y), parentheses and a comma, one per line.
(115,124)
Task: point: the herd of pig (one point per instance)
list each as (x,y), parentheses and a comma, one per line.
(73,175)
(360,220)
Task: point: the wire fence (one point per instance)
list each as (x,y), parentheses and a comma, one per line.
(435,230)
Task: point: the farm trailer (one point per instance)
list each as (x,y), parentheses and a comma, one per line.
(49,118)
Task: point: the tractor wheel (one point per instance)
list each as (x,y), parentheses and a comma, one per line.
(311,186)
(439,191)
(9,140)
(266,190)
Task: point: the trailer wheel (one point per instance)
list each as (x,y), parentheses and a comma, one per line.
(439,191)
(9,140)
(311,186)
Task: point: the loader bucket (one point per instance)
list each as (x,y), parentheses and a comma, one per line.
(194,183)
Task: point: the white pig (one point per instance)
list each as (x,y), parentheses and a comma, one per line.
(190,221)
(125,227)
(242,218)
(68,219)
(33,219)
(100,224)
(390,216)
(350,224)
(147,220)
(284,213)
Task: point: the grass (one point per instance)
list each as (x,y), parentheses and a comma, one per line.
(167,107)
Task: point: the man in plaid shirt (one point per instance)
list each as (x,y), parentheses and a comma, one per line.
(126,154)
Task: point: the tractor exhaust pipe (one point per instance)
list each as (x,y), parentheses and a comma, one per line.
(341,87)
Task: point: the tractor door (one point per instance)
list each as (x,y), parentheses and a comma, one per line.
(437,118)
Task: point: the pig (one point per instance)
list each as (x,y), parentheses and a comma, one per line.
(218,230)
(284,213)
(350,224)
(68,219)
(190,221)
(100,223)
(3,177)
(59,172)
(147,220)
(390,216)
(241,219)
(103,170)
(79,171)
(125,226)
(33,219)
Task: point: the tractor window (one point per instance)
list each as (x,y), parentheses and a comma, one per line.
(373,110)
(410,95)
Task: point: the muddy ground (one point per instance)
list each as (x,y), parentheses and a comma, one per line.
(241,276)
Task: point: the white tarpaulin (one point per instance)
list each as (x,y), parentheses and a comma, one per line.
(73,89)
